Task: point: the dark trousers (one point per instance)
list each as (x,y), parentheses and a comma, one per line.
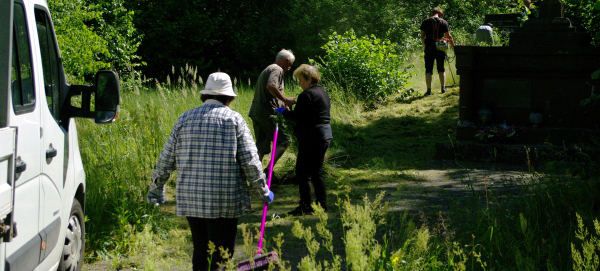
(433,54)
(221,231)
(309,167)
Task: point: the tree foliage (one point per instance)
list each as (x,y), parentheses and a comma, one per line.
(80,45)
(241,37)
(95,35)
(594,97)
(117,29)
(583,13)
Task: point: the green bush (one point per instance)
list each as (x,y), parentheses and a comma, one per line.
(117,28)
(368,67)
(95,35)
(80,44)
(581,13)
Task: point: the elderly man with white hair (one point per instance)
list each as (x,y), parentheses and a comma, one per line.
(214,154)
(268,96)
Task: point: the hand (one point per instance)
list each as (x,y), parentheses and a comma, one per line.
(280,110)
(290,101)
(269,198)
(155,197)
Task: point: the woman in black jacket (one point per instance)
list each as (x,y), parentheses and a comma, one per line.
(313,131)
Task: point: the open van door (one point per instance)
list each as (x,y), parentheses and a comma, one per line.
(6,35)
(7,187)
(7,135)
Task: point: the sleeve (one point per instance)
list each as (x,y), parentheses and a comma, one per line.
(166,161)
(275,77)
(423,27)
(247,158)
(302,109)
(446,26)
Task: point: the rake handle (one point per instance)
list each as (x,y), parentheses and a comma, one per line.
(271,163)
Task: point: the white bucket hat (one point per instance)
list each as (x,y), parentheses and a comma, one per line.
(218,83)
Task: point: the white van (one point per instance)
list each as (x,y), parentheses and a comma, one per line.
(42,181)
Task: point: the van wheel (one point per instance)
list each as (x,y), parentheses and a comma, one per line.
(73,249)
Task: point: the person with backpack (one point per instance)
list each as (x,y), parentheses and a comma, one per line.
(435,36)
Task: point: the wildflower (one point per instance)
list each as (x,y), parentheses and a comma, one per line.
(395,260)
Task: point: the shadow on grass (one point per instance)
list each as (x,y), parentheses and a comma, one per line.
(423,196)
(392,143)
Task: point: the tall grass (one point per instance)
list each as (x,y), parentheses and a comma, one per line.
(530,224)
(119,157)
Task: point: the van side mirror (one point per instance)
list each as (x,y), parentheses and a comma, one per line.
(106,98)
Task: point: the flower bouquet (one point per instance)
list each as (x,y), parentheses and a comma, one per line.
(496,133)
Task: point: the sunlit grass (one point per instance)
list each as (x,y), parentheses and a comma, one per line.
(388,146)
(119,157)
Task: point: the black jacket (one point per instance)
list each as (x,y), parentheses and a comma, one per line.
(312,115)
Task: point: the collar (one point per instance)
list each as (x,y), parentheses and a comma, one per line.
(213,101)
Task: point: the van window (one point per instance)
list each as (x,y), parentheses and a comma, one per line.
(50,62)
(23,94)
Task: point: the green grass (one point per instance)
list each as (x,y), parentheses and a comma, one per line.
(518,221)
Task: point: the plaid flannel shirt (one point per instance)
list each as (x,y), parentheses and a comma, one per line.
(214,153)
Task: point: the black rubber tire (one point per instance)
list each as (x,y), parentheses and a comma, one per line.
(71,258)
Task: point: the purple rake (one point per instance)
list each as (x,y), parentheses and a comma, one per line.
(261,262)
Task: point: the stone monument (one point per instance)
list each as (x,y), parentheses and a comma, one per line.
(535,84)
(546,71)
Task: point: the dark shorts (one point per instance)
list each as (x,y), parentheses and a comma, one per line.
(264,130)
(433,54)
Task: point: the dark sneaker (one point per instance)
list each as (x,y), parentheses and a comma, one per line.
(443,90)
(428,92)
(301,211)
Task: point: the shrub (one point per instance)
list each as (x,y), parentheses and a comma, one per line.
(80,44)
(593,97)
(368,67)
(587,258)
(95,35)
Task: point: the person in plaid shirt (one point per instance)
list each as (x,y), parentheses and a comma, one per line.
(214,154)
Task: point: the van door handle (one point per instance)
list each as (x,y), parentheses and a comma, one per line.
(50,153)
(20,166)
